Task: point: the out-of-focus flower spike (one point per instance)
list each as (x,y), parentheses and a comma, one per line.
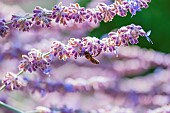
(4,29)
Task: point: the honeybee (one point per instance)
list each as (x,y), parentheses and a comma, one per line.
(91,58)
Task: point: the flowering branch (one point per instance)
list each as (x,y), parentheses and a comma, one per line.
(74,13)
(88,47)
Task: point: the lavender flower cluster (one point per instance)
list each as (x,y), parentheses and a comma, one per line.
(73,88)
(74,13)
(143,94)
(77,48)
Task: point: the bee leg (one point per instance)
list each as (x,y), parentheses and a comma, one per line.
(97,54)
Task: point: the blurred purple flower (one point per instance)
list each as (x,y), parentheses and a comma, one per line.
(4,29)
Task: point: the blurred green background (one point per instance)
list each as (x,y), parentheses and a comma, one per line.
(155,18)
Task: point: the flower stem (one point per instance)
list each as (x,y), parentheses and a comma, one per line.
(10,22)
(20,72)
(15,110)
(2,87)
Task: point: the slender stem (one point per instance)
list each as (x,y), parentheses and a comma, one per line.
(10,22)
(46,54)
(2,87)
(20,72)
(14,110)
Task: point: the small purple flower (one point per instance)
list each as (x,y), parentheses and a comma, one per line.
(22,23)
(108,12)
(121,8)
(134,6)
(42,16)
(115,39)
(75,47)
(60,14)
(92,45)
(123,35)
(60,50)
(4,29)
(120,37)
(92,15)
(77,13)
(108,45)
(143,3)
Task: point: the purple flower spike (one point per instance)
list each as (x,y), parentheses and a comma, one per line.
(22,23)
(42,16)
(3,28)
